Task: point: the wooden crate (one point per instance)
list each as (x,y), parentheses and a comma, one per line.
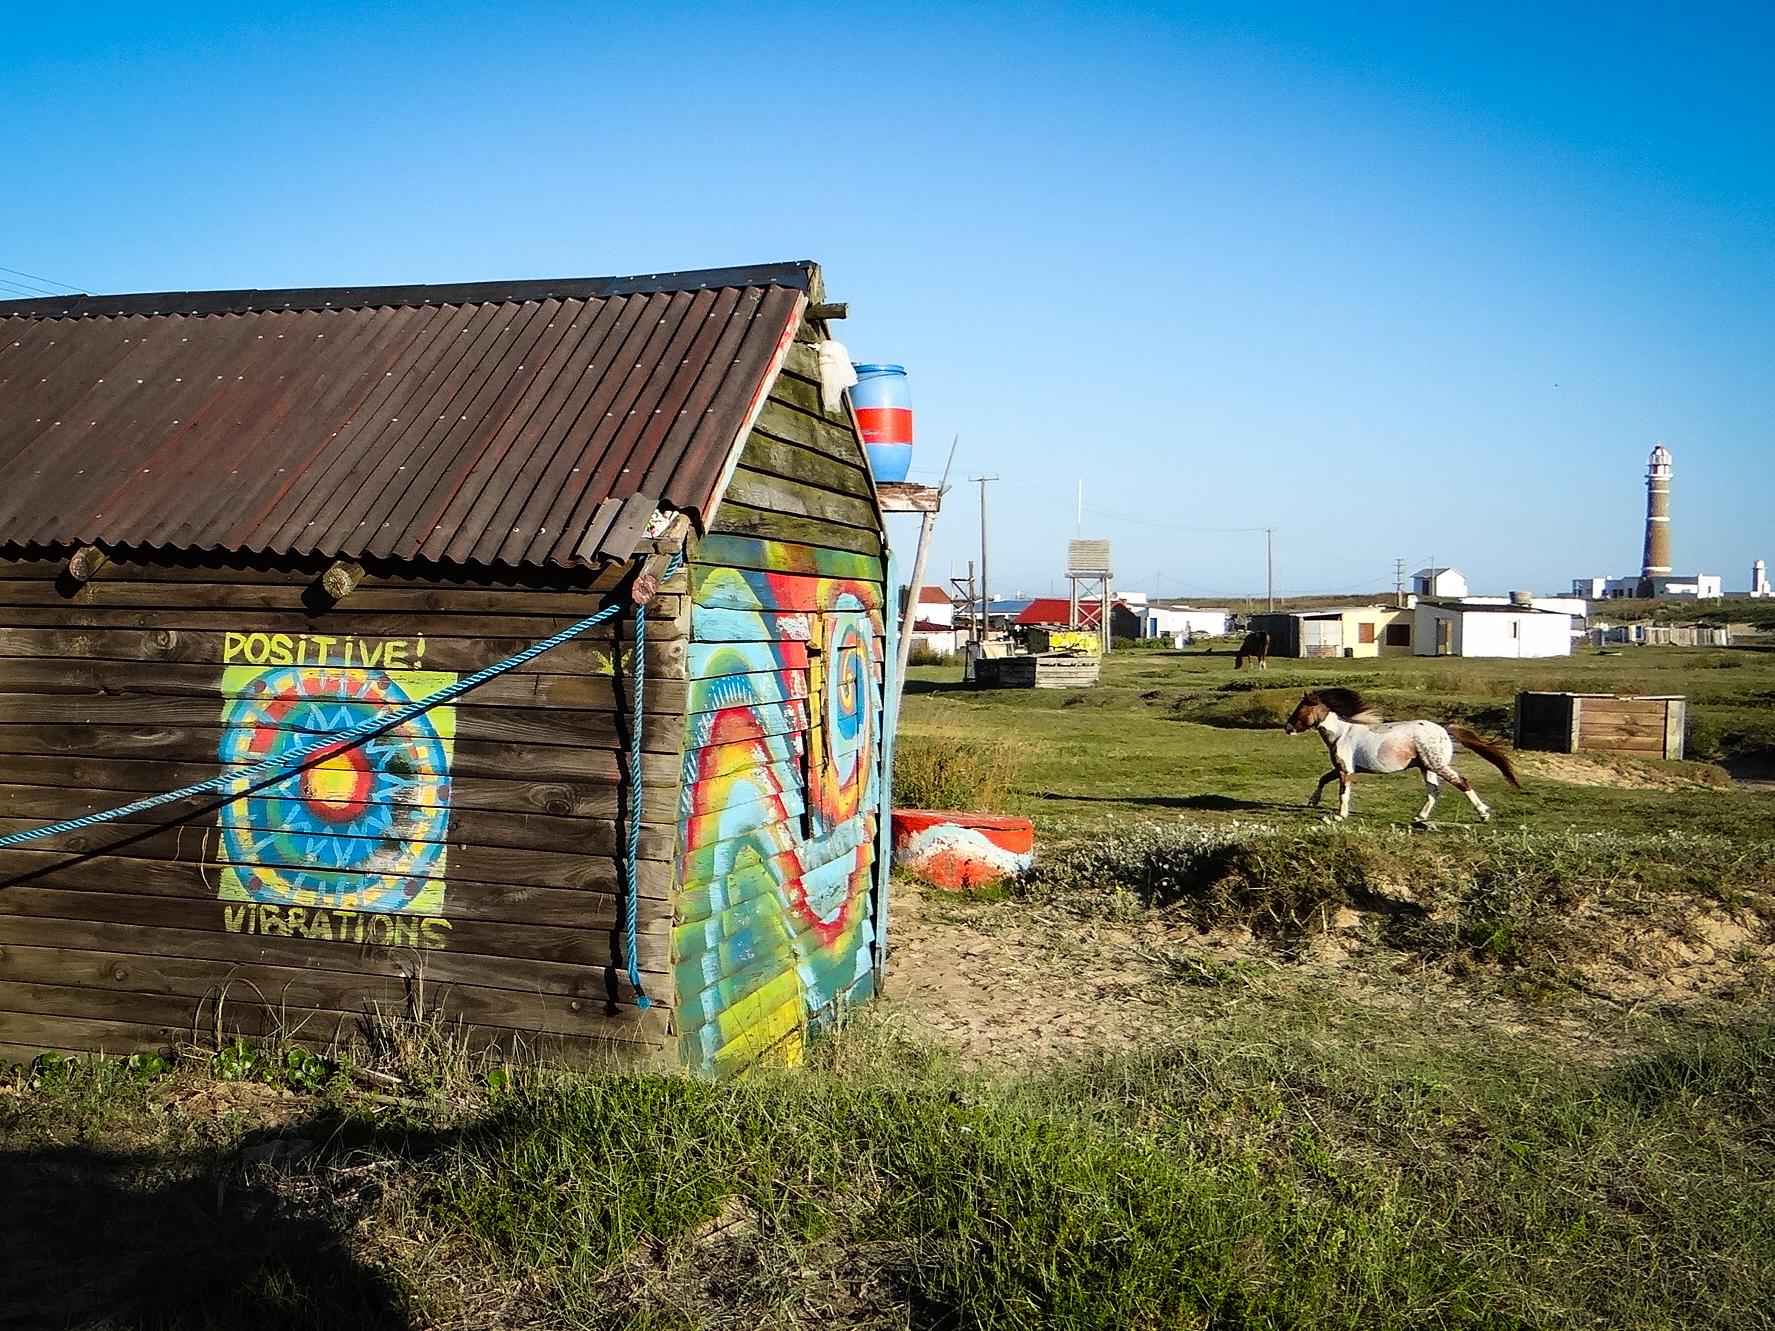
(1055,670)
(1655,726)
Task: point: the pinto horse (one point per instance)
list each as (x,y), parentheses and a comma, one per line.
(1361,742)
(1257,647)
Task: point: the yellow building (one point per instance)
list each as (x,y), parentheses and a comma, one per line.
(1357,630)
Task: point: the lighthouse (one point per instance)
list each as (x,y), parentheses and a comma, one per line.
(1656,564)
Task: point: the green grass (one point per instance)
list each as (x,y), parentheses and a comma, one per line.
(1292,1146)
(1170,733)
(1301,1161)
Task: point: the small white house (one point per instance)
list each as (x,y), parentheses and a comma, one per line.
(934,625)
(1439,583)
(1179,623)
(1465,629)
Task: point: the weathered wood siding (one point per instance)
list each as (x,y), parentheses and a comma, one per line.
(1656,726)
(774,917)
(474,851)
(1043,670)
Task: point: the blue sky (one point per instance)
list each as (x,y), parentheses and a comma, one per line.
(1401,283)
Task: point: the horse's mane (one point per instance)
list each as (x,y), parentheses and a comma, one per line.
(1348,704)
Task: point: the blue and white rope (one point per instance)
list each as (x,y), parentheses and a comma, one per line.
(637,789)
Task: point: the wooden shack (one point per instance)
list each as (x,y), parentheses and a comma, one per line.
(238,521)
(1652,726)
(1044,670)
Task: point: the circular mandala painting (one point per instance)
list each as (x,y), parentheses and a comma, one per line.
(356,828)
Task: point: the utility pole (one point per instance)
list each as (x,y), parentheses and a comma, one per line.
(1269,541)
(985,584)
(1398,582)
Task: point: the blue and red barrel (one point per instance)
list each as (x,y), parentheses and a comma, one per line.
(883,404)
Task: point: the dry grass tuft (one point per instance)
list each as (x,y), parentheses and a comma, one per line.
(952,771)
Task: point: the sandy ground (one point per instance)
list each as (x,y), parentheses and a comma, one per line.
(1009,983)
(1004,984)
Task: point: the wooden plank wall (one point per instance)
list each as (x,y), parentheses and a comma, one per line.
(780,783)
(1631,725)
(1602,723)
(474,851)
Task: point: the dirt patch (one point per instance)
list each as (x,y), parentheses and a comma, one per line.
(1010,982)
(1010,985)
(1575,769)
(1687,957)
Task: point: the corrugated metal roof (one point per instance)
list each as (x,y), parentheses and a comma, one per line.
(515,425)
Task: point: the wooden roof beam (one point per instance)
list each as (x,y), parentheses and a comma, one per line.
(341,579)
(85,563)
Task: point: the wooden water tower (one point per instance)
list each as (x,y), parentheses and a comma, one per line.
(1089,573)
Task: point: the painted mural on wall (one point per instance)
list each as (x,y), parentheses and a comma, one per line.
(340,849)
(779,795)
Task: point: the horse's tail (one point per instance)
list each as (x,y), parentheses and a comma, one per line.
(1486,750)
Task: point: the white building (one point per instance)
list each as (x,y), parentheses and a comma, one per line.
(1506,630)
(1702,586)
(934,625)
(1179,623)
(1759,580)
(1446,583)
(1697,586)
(1575,606)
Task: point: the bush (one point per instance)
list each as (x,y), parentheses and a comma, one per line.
(954,772)
(1513,900)
(923,654)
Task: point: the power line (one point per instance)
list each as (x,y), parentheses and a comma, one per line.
(50,281)
(1069,501)
(33,290)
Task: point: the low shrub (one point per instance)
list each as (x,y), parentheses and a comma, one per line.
(1511,899)
(923,654)
(960,772)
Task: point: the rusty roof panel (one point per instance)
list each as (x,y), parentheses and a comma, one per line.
(535,423)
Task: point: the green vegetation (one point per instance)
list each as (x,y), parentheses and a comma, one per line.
(1301,1161)
(1258,1180)
(1540,902)
(1457,1124)
(937,771)
(1182,733)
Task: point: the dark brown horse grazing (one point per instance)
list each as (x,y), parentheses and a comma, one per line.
(1361,742)
(1257,647)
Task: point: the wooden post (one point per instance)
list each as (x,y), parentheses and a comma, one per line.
(84,564)
(909,619)
(653,566)
(341,579)
(1676,725)
(884,811)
